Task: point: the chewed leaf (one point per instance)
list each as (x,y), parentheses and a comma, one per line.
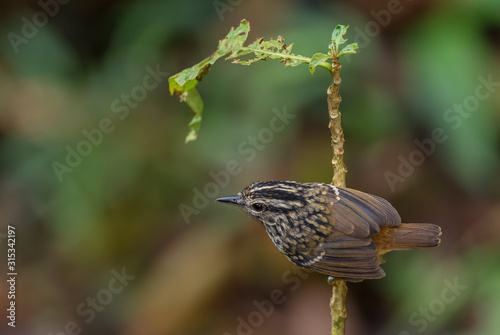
(188,78)
(234,40)
(184,82)
(337,34)
(317,59)
(233,47)
(350,49)
(273,49)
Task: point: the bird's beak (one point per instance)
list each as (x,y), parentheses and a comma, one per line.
(230,200)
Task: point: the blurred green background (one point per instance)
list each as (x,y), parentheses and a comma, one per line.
(103,246)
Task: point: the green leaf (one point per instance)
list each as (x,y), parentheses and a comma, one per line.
(234,40)
(232,47)
(337,38)
(194,101)
(189,78)
(317,59)
(350,49)
(184,82)
(273,49)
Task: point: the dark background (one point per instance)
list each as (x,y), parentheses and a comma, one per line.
(118,210)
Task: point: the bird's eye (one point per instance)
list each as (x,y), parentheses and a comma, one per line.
(258,206)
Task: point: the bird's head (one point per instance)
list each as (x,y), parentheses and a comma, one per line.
(272,202)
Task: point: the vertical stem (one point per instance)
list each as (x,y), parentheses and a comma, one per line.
(338,306)
(339,287)
(334,99)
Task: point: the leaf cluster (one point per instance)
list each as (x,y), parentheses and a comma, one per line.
(232,47)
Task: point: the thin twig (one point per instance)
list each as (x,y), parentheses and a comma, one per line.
(339,287)
(338,306)
(334,99)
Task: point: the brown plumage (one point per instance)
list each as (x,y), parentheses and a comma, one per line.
(337,231)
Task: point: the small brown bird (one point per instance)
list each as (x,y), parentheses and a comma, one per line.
(336,231)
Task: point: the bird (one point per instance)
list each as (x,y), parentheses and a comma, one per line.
(337,231)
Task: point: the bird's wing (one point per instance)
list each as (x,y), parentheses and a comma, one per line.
(359,214)
(347,251)
(348,258)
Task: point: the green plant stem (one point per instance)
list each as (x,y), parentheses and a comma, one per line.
(325,65)
(339,287)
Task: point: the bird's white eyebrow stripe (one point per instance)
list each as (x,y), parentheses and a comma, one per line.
(278,188)
(266,187)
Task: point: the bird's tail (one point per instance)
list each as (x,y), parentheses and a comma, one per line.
(407,236)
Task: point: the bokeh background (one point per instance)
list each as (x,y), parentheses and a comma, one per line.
(117,210)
